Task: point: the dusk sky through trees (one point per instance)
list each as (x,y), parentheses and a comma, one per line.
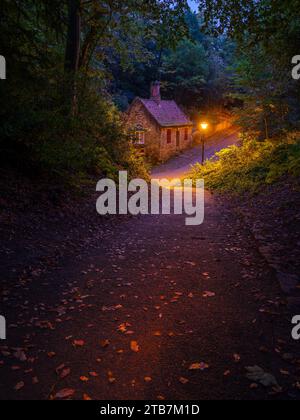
(193,5)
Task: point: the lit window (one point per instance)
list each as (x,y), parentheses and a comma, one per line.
(140,137)
(186,134)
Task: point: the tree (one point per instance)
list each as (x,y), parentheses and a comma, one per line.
(192,71)
(56,113)
(186,72)
(267,33)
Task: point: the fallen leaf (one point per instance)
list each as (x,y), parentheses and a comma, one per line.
(64,393)
(148,379)
(237,357)
(184,381)
(123,327)
(78,343)
(65,372)
(86,397)
(199,366)
(297,385)
(20,355)
(134,346)
(208,294)
(111,378)
(276,390)
(59,368)
(284,372)
(191,263)
(19,386)
(104,343)
(94,374)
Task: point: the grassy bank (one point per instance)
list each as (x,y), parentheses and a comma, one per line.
(252,165)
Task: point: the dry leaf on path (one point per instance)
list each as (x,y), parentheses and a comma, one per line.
(64,393)
(208,294)
(78,343)
(111,378)
(19,386)
(199,366)
(20,355)
(94,374)
(237,357)
(65,372)
(104,343)
(134,346)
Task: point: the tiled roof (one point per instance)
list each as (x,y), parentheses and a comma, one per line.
(166,113)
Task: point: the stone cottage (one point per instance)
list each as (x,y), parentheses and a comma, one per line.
(159,127)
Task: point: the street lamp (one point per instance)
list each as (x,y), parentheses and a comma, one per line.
(204,127)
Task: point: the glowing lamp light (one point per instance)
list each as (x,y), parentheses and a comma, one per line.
(204,126)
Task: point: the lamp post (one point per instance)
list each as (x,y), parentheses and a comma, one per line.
(203,127)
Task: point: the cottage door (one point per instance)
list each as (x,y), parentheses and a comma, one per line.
(177,139)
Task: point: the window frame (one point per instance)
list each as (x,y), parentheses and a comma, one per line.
(169,136)
(140,138)
(178,138)
(186,134)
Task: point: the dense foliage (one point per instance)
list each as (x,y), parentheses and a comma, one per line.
(267,33)
(252,165)
(57,116)
(194,72)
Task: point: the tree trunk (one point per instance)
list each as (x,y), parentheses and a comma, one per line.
(73,51)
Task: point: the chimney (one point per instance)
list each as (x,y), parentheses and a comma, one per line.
(155,92)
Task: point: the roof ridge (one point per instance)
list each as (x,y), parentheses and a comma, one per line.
(167,113)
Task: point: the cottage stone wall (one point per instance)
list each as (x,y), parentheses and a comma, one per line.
(157,147)
(139,116)
(168,150)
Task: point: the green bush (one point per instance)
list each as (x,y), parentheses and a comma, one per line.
(252,165)
(38,135)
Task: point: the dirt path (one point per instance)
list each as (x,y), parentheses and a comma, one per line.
(128,319)
(180,165)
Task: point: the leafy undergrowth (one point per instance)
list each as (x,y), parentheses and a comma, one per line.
(40,138)
(252,165)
